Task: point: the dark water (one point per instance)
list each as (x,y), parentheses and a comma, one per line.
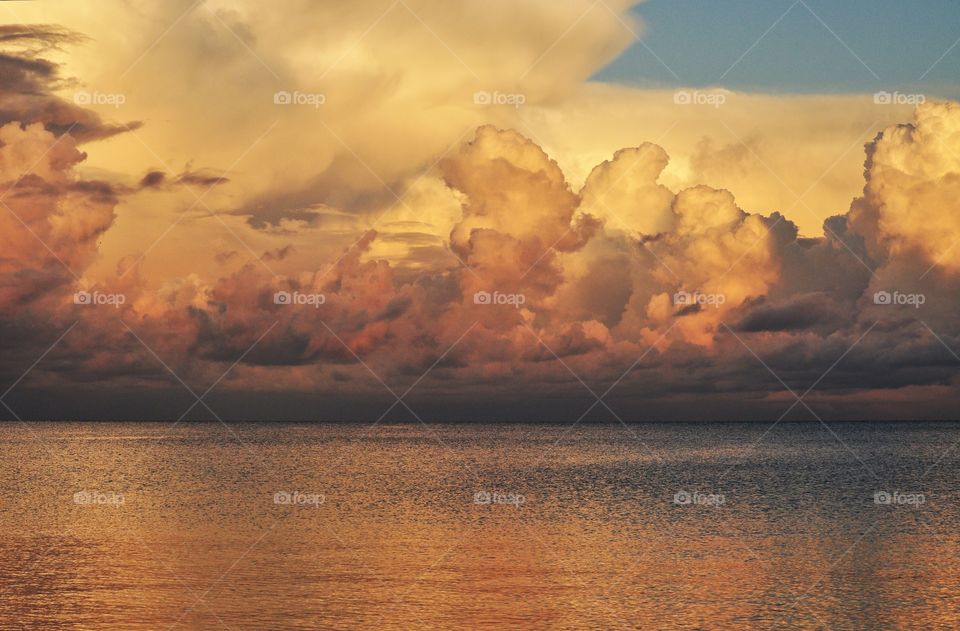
(139,526)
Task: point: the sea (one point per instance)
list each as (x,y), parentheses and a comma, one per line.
(131,525)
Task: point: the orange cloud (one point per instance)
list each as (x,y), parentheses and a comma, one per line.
(548,280)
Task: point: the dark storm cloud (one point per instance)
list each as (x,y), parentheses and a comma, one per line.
(153,179)
(159,179)
(806,311)
(278,254)
(27,83)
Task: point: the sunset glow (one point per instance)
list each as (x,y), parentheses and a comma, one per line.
(201,171)
(392,212)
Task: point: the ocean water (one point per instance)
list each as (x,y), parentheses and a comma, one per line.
(499,526)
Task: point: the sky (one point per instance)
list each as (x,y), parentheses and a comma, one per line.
(814,46)
(545,211)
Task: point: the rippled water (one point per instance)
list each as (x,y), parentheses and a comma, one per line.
(675,526)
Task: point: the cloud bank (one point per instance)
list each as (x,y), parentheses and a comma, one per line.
(380,245)
(666,293)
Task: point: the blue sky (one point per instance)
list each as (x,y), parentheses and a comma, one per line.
(701,40)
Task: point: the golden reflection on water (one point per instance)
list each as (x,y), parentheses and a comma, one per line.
(399,541)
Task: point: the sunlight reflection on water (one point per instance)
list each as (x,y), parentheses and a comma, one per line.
(467,526)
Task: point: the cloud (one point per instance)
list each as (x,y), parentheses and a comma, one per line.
(624,191)
(913,183)
(51,219)
(596,293)
(158,179)
(397,81)
(28,81)
(595,296)
(518,214)
(800,155)
(802,312)
(388,213)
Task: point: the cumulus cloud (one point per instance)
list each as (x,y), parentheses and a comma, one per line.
(596,294)
(391,234)
(909,206)
(50,220)
(624,191)
(518,213)
(596,291)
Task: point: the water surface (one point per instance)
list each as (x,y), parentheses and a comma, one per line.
(670,526)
